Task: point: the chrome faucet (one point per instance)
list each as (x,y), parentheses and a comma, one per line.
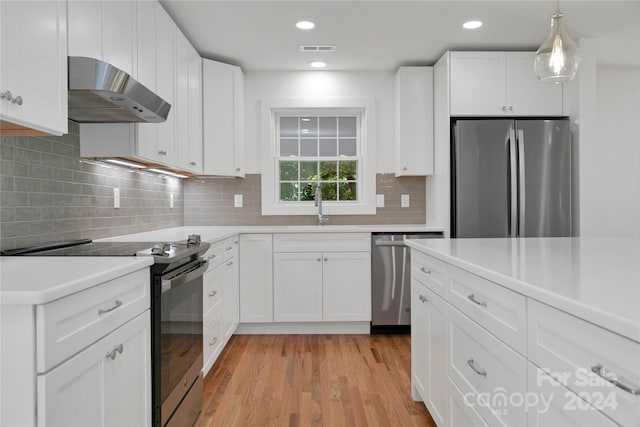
(321,219)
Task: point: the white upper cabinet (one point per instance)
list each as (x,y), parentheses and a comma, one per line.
(223,119)
(414,121)
(33,65)
(188,105)
(104,30)
(500,84)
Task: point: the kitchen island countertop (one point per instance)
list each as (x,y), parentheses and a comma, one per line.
(596,279)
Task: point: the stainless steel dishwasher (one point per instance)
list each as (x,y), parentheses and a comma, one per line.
(391,280)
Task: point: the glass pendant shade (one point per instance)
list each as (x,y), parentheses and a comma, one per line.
(557,59)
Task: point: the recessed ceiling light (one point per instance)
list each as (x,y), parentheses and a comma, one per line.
(318,64)
(472,25)
(305,25)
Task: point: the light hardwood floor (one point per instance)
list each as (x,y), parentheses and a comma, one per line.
(312,380)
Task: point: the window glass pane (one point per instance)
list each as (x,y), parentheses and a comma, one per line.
(348,171)
(307,191)
(308,126)
(347,190)
(288,171)
(347,147)
(347,127)
(329,147)
(289,126)
(328,127)
(309,147)
(289,147)
(328,190)
(328,171)
(288,192)
(308,171)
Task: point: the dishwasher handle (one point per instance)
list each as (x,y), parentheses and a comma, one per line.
(390,243)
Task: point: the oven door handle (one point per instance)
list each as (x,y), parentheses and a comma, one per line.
(184,275)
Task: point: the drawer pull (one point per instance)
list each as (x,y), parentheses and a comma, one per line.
(116,305)
(599,370)
(215,340)
(113,353)
(473,299)
(422,298)
(228,248)
(213,293)
(476,370)
(230,263)
(424,270)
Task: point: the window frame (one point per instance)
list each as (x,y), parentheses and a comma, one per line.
(272,109)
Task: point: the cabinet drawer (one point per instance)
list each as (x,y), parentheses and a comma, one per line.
(321,242)
(430,271)
(67,325)
(212,338)
(230,247)
(461,413)
(480,365)
(558,406)
(215,254)
(571,349)
(212,288)
(497,309)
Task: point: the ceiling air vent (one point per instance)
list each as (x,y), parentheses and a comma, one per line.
(317,48)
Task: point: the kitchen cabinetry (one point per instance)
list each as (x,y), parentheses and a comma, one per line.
(223,119)
(33,67)
(429,373)
(256,278)
(500,84)
(414,121)
(83,359)
(322,277)
(104,30)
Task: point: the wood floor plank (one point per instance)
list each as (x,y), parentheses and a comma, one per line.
(312,380)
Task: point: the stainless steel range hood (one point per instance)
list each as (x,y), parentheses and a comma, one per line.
(102,93)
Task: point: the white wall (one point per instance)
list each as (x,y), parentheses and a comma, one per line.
(610,163)
(320,84)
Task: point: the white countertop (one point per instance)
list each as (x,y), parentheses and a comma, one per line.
(595,279)
(39,280)
(213,233)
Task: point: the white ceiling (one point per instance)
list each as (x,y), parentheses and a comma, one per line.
(382,35)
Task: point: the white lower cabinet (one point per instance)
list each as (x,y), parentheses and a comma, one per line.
(428,355)
(346,286)
(107,383)
(230,298)
(461,410)
(256,278)
(297,288)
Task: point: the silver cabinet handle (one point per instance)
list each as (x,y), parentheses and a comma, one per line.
(215,340)
(599,370)
(213,293)
(404,168)
(504,108)
(17,100)
(424,270)
(422,298)
(116,305)
(211,256)
(230,263)
(326,259)
(237,169)
(476,370)
(192,163)
(228,248)
(473,299)
(6,95)
(113,353)
(510,107)
(162,153)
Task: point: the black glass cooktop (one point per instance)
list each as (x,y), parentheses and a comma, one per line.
(82,248)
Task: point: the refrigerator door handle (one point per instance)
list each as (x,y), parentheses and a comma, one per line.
(521,207)
(513,209)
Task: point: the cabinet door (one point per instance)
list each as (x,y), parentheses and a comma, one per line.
(297,287)
(195,112)
(346,286)
(222,100)
(100,386)
(85,28)
(256,278)
(414,121)
(526,95)
(230,299)
(437,399)
(118,34)
(418,341)
(478,84)
(34,64)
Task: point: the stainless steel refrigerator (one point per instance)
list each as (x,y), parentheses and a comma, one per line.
(511,178)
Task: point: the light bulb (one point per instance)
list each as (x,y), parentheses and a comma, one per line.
(557,58)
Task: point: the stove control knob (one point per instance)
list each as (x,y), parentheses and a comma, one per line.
(161,249)
(194,239)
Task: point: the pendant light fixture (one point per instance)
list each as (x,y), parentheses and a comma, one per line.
(558,58)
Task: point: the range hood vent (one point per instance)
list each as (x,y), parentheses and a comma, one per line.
(102,93)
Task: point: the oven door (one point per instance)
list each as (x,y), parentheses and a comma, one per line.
(177,344)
